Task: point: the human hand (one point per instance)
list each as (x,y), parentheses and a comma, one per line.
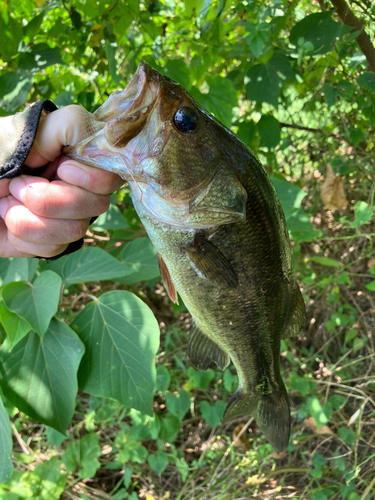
(40,216)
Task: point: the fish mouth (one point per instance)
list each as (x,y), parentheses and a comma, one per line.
(122,116)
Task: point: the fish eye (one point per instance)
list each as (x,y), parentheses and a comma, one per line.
(186,120)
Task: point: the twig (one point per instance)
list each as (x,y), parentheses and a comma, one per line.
(309,129)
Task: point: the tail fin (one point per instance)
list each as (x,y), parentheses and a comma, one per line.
(271,413)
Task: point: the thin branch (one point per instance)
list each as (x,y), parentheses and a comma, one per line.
(308,129)
(349,19)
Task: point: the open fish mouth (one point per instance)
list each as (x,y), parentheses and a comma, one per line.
(123,117)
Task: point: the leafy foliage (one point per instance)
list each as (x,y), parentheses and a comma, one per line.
(290,79)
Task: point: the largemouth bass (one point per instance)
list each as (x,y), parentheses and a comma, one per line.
(213,215)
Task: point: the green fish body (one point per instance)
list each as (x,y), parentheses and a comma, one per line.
(214,217)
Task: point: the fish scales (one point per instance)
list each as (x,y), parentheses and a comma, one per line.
(213,215)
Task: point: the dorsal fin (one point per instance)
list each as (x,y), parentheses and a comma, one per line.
(209,263)
(297,315)
(202,351)
(167,280)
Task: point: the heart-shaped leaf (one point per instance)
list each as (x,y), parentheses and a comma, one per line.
(212,414)
(35,302)
(121,336)
(39,376)
(158,462)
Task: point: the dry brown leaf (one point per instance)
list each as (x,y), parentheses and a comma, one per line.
(311,424)
(332,192)
(240,441)
(277,455)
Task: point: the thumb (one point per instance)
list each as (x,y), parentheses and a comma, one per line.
(63,127)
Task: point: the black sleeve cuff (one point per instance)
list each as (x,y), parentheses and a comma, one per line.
(15,166)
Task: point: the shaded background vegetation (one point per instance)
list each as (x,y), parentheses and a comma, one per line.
(297,84)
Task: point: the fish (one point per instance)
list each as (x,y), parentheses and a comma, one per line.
(214,217)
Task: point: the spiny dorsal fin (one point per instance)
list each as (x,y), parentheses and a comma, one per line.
(297,315)
(202,351)
(167,280)
(210,263)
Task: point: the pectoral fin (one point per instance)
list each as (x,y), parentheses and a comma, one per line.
(202,351)
(297,315)
(210,263)
(167,280)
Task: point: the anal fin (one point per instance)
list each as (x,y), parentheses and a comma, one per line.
(167,280)
(202,351)
(297,315)
(210,263)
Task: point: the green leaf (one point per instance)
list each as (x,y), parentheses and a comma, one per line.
(88,264)
(347,435)
(6,466)
(269,132)
(130,449)
(121,336)
(178,405)
(83,454)
(111,219)
(325,261)
(140,255)
(300,384)
(212,414)
(158,462)
(230,380)
(170,427)
(319,29)
(18,270)
(178,71)
(354,135)
(330,93)
(289,195)
(367,80)
(39,376)
(14,89)
(163,378)
(16,327)
(11,32)
(371,286)
(40,57)
(200,379)
(110,50)
(55,437)
(363,214)
(321,414)
(248,133)
(46,480)
(220,100)
(33,26)
(256,43)
(37,302)
(64,99)
(264,81)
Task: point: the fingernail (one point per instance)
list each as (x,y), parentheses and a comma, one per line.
(73,175)
(4,203)
(17,188)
